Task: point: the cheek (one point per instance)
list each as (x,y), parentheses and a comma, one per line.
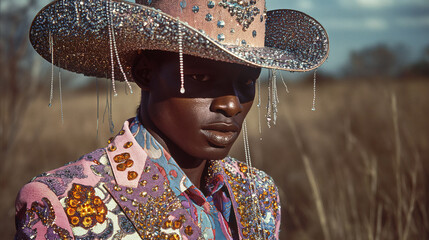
(178,118)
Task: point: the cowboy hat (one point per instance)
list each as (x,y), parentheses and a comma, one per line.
(95,37)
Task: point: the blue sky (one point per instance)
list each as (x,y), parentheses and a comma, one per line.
(355,24)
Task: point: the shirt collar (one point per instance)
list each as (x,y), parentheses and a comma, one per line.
(178,180)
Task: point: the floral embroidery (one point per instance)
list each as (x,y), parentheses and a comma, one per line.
(58,180)
(45,213)
(83,208)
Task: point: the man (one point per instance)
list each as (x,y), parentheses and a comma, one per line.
(166,175)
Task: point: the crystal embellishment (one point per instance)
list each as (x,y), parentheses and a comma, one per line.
(221,24)
(211,4)
(221,37)
(195,9)
(244,11)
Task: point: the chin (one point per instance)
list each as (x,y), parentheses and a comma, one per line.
(215,153)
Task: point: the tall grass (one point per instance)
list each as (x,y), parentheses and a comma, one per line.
(357,168)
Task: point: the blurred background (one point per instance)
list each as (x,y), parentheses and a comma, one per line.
(356,168)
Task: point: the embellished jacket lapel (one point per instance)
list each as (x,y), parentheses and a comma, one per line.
(146,196)
(247,210)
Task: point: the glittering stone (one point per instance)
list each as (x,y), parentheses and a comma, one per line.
(244,12)
(243,42)
(254,33)
(143,194)
(221,37)
(294,41)
(112,148)
(121,167)
(232,30)
(221,24)
(211,4)
(183,4)
(209,17)
(132,175)
(195,9)
(128,145)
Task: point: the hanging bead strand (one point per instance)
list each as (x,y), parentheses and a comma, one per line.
(112,59)
(259,109)
(115,49)
(61,93)
(182,74)
(51,50)
(274,96)
(314,91)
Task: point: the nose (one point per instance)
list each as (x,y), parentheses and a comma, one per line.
(227,105)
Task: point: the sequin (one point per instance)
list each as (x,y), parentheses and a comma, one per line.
(189,230)
(168,224)
(177,224)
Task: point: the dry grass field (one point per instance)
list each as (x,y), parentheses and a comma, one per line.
(357,168)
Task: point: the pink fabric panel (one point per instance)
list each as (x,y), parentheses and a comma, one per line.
(137,154)
(34,192)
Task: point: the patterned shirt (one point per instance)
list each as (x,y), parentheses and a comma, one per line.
(134,189)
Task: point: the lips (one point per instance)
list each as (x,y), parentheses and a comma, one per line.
(221,134)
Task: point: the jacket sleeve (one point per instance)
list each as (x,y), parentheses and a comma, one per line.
(270,204)
(39,214)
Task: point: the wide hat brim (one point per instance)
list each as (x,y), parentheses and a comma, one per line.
(74,35)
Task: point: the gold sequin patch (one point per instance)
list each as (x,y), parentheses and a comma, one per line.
(84,208)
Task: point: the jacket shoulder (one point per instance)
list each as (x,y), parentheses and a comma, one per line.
(254,185)
(39,207)
(82,171)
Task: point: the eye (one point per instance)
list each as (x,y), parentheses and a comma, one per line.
(249,82)
(200,77)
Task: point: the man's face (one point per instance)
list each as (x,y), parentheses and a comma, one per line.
(206,120)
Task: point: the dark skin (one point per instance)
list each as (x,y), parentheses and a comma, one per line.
(203,123)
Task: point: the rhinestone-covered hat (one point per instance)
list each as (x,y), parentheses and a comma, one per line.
(78,35)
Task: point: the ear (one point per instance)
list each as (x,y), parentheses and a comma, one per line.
(141,71)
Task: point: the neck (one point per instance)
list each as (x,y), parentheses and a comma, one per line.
(191,166)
